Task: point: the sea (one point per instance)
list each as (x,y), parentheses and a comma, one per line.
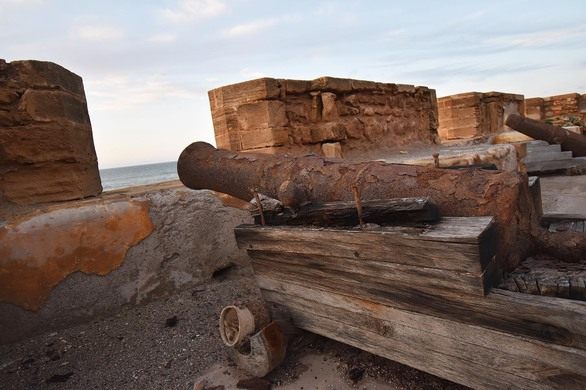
(137,175)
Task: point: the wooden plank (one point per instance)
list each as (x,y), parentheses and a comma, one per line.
(544,147)
(546,319)
(432,280)
(420,341)
(460,244)
(381,211)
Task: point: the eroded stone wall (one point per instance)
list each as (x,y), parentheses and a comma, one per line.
(476,114)
(327,116)
(74,260)
(47,151)
(560,110)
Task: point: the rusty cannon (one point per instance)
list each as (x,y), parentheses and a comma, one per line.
(568,140)
(299,180)
(296,181)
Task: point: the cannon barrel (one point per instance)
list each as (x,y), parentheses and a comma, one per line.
(568,140)
(310,178)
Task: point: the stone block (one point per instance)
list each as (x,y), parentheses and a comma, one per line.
(332,150)
(47,152)
(53,106)
(45,75)
(263,137)
(246,92)
(50,182)
(45,144)
(329,109)
(261,115)
(332,84)
(296,87)
(328,132)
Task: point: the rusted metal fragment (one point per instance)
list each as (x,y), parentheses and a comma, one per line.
(39,250)
(266,351)
(568,140)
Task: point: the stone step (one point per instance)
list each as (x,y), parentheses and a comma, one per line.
(543,148)
(578,164)
(548,156)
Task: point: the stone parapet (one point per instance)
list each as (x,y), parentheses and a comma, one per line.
(299,116)
(560,110)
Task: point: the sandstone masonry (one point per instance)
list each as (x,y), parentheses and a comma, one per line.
(474,114)
(47,151)
(328,116)
(560,110)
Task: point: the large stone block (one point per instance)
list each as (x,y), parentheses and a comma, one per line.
(475,114)
(261,115)
(47,152)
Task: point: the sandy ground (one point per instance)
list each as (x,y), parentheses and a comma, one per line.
(170,344)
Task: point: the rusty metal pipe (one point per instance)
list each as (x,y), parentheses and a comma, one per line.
(568,140)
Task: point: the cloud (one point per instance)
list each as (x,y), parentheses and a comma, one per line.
(539,38)
(119,92)
(15,3)
(190,10)
(97,33)
(163,38)
(251,27)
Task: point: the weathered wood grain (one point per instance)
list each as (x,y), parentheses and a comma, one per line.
(549,277)
(546,319)
(432,280)
(421,341)
(459,244)
(381,211)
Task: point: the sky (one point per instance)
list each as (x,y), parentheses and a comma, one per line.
(147,65)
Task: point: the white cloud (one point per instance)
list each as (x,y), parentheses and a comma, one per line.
(540,38)
(190,10)
(119,92)
(8,5)
(4,3)
(97,33)
(250,28)
(163,38)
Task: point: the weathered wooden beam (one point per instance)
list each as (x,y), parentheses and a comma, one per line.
(432,280)
(455,243)
(380,211)
(472,355)
(568,140)
(550,320)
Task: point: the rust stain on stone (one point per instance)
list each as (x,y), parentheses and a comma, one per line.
(40,250)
